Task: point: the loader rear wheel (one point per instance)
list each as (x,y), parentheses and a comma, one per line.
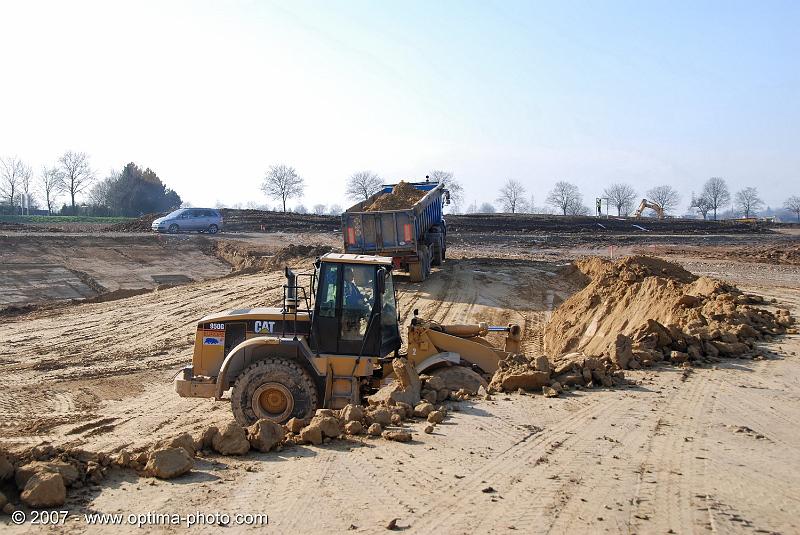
(416,271)
(276,389)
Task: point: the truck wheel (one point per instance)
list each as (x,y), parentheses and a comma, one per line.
(173,229)
(438,255)
(276,389)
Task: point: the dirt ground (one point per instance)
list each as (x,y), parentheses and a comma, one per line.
(715,449)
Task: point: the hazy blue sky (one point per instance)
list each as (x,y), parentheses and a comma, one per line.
(209,94)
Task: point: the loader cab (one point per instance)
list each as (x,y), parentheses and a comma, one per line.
(355,308)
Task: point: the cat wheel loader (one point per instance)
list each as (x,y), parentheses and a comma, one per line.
(331,343)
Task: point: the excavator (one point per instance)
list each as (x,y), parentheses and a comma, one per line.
(649,204)
(331,343)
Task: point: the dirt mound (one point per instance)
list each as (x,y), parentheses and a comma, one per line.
(140,224)
(660,310)
(293,252)
(245,258)
(402,196)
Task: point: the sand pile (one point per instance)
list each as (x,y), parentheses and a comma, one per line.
(642,310)
(140,224)
(402,196)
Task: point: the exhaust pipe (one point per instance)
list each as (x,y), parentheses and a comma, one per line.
(290,306)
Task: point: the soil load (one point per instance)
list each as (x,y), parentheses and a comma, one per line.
(402,197)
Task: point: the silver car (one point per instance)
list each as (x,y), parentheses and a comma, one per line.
(189,219)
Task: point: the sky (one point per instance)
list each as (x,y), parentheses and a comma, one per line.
(210,94)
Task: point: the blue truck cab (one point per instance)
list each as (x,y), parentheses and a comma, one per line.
(415,237)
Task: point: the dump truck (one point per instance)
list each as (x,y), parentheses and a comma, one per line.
(415,238)
(331,343)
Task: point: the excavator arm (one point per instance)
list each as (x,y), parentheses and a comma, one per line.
(649,204)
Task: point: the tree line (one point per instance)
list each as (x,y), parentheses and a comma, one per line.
(130,192)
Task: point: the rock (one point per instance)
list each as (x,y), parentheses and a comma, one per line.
(6,466)
(265,435)
(382,416)
(571,379)
(436,417)
(555,385)
(325,413)
(44,489)
(442,394)
(678,357)
(231,440)
(407,410)
(458,377)
(207,440)
(311,434)
(694,351)
(406,386)
(621,351)
(422,409)
(68,473)
(431,396)
(353,427)
(429,429)
(730,349)
(397,419)
(543,364)
(529,380)
(353,413)
(397,436)
(3,500)
(550,392)
(184,440)
(374,430)
(295,425)
(9,508)
(167,463)
(435,382)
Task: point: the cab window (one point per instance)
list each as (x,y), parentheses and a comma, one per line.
(357,300)
(328,279)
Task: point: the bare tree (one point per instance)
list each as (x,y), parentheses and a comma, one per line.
(282,182)
(621,196)
(716,194)
(319,209)
(511,194)
(335,209)
(701,205)
(300,209)
(12,171)
(25,186)
(453,186)
(486,208)
(361,185)
(565,197)
(49,183)
(793,205)
(748,201)
(76,174)
(665,196)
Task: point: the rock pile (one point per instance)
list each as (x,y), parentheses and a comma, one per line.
(642,310)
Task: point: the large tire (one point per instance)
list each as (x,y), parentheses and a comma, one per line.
(213,229)
(173,229)
(438,254)
(276,389)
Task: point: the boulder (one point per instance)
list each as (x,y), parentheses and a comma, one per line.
(397,436)
(207,440)
(406,409)
(678,357)
(406,387)
(353,427)
(167,463)
(265,434)
(381,415)
(68,473)
(374,430)
(311,434)
(422,409)
(329,426)
(231,440)
(429,429)
(353,413)
(550,392)
(543,364)
(529,380)
(325,413)
(44,489)
(436,417)
(621,351)
(6,466)
(459,377)
(434,382)
(730,349)
(184,440)
(295,425)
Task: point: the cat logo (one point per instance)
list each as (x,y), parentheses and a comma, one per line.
(265,326)
(212,341)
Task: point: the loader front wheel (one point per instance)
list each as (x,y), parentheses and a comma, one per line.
(276,389)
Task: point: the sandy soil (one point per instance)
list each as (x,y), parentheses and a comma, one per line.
(714,449)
